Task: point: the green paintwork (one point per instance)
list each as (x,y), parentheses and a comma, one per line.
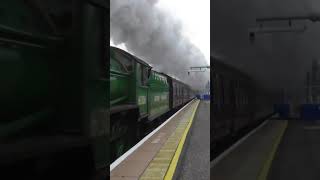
(142,92)
(131,83)
(25,73)
(95,125)
(125,89)
(126,86)
(20,16)
(119,80)
(151,95)
(158,99)
(52,83)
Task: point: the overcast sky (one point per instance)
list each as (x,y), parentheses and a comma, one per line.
(195,18)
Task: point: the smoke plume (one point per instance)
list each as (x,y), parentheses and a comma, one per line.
(154,36)
(276,61)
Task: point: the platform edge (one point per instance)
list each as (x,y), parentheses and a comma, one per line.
(170,174)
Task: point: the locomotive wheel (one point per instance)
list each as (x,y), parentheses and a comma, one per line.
(123,133)
(120,147)
(119,134)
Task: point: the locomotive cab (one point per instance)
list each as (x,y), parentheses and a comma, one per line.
(129,78)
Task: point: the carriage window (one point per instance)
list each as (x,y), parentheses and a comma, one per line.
(144,75)
(173,87)
(177,89)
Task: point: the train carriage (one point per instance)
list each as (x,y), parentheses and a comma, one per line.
(237,103)
(177,98)
(158,96)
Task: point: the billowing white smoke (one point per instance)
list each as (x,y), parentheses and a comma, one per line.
(154,36)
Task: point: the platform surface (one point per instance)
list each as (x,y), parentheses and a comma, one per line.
(249,159)
(298,155)
(152,159)
(195,163)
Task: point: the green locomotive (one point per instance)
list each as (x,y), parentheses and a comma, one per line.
(138,95)
(54,95)
(53,102)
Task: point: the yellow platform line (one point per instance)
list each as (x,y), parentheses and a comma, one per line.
(166,159)
(266,166)
(174,162)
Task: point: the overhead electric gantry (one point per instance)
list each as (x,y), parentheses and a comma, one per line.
(198,69)
(269,30)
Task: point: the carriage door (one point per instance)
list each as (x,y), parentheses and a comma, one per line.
(142,89)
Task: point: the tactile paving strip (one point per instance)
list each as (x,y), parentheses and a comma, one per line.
(158,167)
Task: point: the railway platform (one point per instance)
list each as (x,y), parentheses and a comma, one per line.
(196,160)
(161,153)
(277,149)
(298,155)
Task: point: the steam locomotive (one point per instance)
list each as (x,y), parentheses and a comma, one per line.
(139,96)
(53,102)
(238,103)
